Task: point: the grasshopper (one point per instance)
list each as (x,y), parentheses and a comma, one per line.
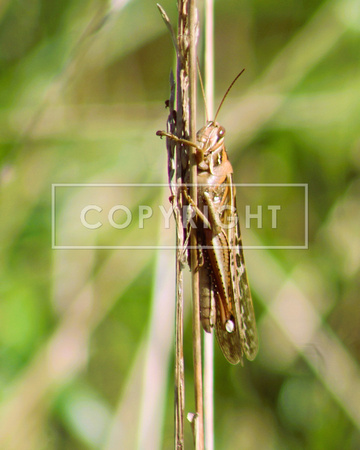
(225,297)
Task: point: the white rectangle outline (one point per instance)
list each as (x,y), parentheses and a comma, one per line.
(173,247)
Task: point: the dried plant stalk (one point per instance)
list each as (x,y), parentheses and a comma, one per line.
(179,405)
(184,127)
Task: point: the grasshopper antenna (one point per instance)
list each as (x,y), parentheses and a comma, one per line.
(226,93)
(202,90)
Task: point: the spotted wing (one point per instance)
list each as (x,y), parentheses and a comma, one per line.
(242,301)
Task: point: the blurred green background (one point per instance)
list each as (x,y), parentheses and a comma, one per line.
(86,338)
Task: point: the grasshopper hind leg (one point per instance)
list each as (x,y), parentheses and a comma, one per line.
(207,298)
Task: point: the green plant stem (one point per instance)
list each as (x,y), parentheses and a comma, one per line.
(209,338)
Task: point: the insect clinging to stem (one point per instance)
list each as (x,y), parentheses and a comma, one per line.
(225,297)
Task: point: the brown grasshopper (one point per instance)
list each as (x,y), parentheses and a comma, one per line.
(225,298)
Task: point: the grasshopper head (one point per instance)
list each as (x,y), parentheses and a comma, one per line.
(210,137)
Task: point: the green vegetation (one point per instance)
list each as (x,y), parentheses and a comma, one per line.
(86,339)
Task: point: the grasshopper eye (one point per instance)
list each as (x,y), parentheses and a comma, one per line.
(221,132)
